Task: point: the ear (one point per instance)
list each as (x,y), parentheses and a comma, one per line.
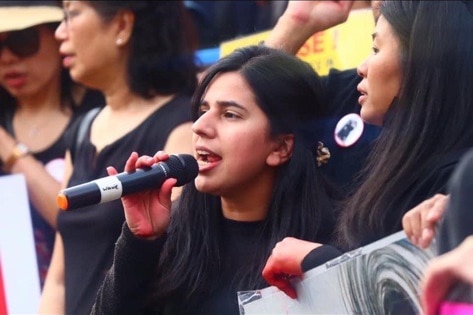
(125,22)
(282,152)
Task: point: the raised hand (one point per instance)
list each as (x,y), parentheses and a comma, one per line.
(302,19)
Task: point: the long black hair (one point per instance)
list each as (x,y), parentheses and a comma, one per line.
(287,90)
(431,116)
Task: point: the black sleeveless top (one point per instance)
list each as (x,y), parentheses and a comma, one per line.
(89,233)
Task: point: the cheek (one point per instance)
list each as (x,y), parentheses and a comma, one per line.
(384,87)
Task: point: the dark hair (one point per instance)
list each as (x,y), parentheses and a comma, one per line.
(67,84)
(431,116)
(27,3)
(163,44)
(287,90)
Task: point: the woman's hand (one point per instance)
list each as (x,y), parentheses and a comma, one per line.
(419,222)
(285,263)
(147,212)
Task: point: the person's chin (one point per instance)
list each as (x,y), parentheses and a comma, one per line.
(369,117)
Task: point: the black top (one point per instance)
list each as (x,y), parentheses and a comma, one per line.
(125,287)
(53,160)
(434,181)
(89,234)
(457,223)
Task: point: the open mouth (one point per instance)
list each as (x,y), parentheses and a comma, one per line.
(205,158)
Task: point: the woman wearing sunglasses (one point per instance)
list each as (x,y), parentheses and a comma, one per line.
(38,103)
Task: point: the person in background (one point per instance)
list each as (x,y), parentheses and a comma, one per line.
(39,104)
(251,106)
(300,21)
(140,54)
(409,90)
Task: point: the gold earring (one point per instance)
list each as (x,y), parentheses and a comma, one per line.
(323,154)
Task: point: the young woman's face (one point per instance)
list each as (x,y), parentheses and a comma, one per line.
(231,139)
(88,45)
(381,75)
(33,68)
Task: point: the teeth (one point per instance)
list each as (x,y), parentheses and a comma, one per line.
(202,163)
(201,152)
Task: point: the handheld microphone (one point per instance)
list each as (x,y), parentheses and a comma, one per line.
(183,167)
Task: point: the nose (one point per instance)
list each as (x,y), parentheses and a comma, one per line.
(6,55)
(362,68)
(203,125)
(61,31)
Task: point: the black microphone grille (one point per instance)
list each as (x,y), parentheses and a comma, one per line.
(183,167)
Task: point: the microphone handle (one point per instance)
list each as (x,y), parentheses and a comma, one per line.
(112,187)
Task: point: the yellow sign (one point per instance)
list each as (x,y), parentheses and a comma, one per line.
(342,47)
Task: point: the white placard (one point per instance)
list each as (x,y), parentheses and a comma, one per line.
(374,279)
(17,250)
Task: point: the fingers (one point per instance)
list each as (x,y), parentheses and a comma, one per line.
(130,164)
(276,278)
(161,156)
(166,190)
(419,223)
(283,284)
(111,171)
(411,223)
(135,161)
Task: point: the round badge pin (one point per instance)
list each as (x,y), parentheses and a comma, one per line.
(348,130)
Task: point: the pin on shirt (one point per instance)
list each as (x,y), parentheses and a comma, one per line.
(348,130)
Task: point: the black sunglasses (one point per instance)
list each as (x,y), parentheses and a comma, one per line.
(22,43)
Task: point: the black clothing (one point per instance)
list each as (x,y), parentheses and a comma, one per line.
(457,222)
(53,160)
(125,288)
(435,181)
(89,234)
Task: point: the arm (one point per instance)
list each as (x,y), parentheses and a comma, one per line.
(53,296)
(42,187)
(126,285)
(147,215)
(302,19)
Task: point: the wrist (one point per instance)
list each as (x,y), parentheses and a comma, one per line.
(19,151)
(290,34)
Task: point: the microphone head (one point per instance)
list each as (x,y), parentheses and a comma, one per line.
(183,167)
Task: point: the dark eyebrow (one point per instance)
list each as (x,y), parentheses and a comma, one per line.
(230,104)
(226,104)
(373,36)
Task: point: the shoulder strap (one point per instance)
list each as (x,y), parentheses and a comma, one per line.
(84,125)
